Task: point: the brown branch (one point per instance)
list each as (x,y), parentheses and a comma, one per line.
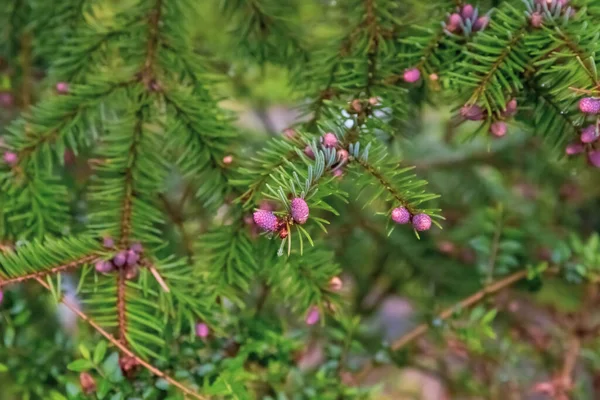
(481,88)
(124,349)
(385,183)
(147,74)
(50,271)
(467,302)
(128,197)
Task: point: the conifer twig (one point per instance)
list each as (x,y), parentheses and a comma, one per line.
(467,302)
(52,271)
(124,349)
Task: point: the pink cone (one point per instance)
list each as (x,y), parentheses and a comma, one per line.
(104,267)
(329,140)
(536,20)
(472,112)
(309,152)
(137,247)
(498,128)
(481,23)
(421,222)
(227,160)
(313,316)
(335,284)
(574,148)
(62,87)
(11,158)
(589,105)
(266,220)
(108,242)
(589,134)
(289,133)
(400,215)
(467,11)
(202,330)
(454,22)
(511,108)
(412,75)
(594,158)
(299,210)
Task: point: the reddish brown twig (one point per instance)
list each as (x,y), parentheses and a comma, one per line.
(124,349)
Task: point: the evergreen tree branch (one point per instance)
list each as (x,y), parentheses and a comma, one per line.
(40,258)
(53,270)
(128,181)
(485,81)
(122,305)
(117,343)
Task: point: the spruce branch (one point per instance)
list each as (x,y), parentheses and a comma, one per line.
(52,271)
(50,256)
(124,350)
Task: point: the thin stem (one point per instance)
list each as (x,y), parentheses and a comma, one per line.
(467,302)
(385,183)
(482,87)
(51,271)
(124,349)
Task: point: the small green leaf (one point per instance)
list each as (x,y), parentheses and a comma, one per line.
(99,352)
(80,365)
(3,368)
(85,353)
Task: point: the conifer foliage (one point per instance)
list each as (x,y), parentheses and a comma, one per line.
(205,260)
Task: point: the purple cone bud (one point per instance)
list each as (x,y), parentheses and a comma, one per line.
(202,330)
(467,11)
(132,258)
(335,284)
(338,173)
(498,128)
(412,75)
(536,19)
(472,113)
(589,134)
(120,259)
(400,215)
(299,210)
(594,158)
(265,220)
(329,140)
(11,158)
(131,272)
(454,22)
(342,155)
(421,222)
(511,108)
(104,267)
(62,87)
(313,316)
(574,148)
(589,105)
(108,242)
(289,133)
(6,99)
(309,152)
(137,247)
(481,23)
